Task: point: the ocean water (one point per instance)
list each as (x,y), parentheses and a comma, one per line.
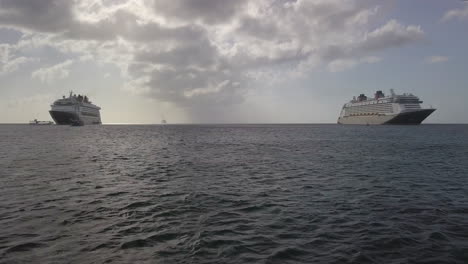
(234,194)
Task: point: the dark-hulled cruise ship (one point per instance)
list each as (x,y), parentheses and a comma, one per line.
(404,109)
(75,110)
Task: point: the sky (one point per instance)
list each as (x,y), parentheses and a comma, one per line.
(230,61)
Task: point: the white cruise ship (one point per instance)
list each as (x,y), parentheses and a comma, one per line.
(395,109)
(75,110)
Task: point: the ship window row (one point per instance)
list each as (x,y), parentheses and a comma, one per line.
(369,103)
(387,107)
(408,101)
(90,114)
(415,106)
(370,109)
(368,112)
(374,106)
(378,105)
(88,107)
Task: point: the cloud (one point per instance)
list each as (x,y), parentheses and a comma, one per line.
(341,65)
(53,73)
(460,14)
(26,101)
(345,64)
(195,53)
(392,34)
(10,61)
(371,59)
(43,16)
(14,64)
(436,59)
(205,11)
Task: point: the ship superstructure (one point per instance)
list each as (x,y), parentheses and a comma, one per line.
(393,109)
(75,109)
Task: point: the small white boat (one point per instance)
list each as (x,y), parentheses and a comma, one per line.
(38,123)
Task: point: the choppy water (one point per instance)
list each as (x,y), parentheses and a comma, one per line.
(234,194)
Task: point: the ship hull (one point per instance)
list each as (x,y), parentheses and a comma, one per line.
(70,118)
(405,118)
(410,118)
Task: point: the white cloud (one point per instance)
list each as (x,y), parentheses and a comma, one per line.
(436,59)
(33,99)
(53,73)
(14,64)
(341,65)
(371,59)
(392,34)
(10,61)
(345,64)
(205,11)
(460,14)
(4,52)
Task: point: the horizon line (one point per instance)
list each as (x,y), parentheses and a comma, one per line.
(233,123)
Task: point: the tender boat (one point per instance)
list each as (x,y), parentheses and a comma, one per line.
(36,122)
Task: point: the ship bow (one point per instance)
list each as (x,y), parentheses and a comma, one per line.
(63,118)
(410,118)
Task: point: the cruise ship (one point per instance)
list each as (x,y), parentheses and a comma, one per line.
(404,109)
(75,110)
